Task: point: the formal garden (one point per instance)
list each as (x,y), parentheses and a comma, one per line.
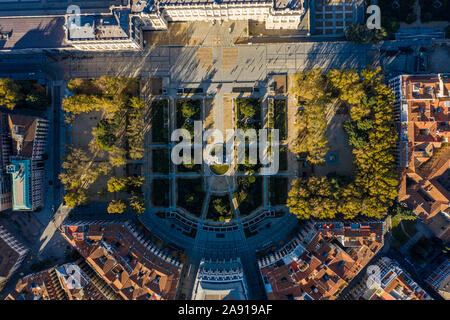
(191,195)
(278,190)
(159,118)
(219,209)
(160,161)
(248,113)
(372,188)
(187,111)
(279,118)
(106,117)
(160,190)
(248,194)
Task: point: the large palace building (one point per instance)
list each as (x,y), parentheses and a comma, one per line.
(94,26)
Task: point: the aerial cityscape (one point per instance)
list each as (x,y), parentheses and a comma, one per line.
(224,150)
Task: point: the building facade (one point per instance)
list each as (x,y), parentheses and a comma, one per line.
(220,280)
(125,258)
(439,280)
(422,104)
(26,164)
(5,152)
(387,281)
(12,253)
(320,262)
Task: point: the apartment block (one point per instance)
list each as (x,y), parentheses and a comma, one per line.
(12,253)
(422,104)
(125,258)
(67,282)
(26,166)
(439,280)
(320,262)
(387,281)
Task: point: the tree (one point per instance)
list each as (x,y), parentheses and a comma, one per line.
(117,157)
(10,93)
(348,82)
(80,103)
(187,110)
(137,103)
(373,188)
(116,184)
(359,33)
(137,203)
(309,86)
(116,206)
(76,198)
(246,108)
(79,171)
(401,212)
(104,136)
(220,208)
(315,197)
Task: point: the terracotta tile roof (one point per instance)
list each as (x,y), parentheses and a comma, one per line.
(131,269)
(324,266)
(67,282)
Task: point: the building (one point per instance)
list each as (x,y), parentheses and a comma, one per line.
(331,17)
(387,282)
(125,259)
(5,152)
(439,280)
(320,262)
(93,32)
(12,253)
(67,282)
(26,165)
(422,105)
(220,280)
(277,14)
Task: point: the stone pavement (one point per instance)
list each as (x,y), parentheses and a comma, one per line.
(253,62)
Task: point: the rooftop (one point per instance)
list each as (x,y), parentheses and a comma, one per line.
(220,280)
(11,251)
(66,282)
(132,267)
(320,267)
(24,33)
(20,170)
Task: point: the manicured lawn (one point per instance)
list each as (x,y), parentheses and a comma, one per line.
(248,194)
(220,168)
(252,122)
(283,158)
(160,192)
(278,190)
(197,168)
(190,195)
(280,117)
(160,161)
(159,110)
(196,104)
(219,208)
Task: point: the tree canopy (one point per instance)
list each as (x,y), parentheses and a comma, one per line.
(371,134)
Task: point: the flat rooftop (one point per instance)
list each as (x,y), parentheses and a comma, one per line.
(23,33)
(20,170)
